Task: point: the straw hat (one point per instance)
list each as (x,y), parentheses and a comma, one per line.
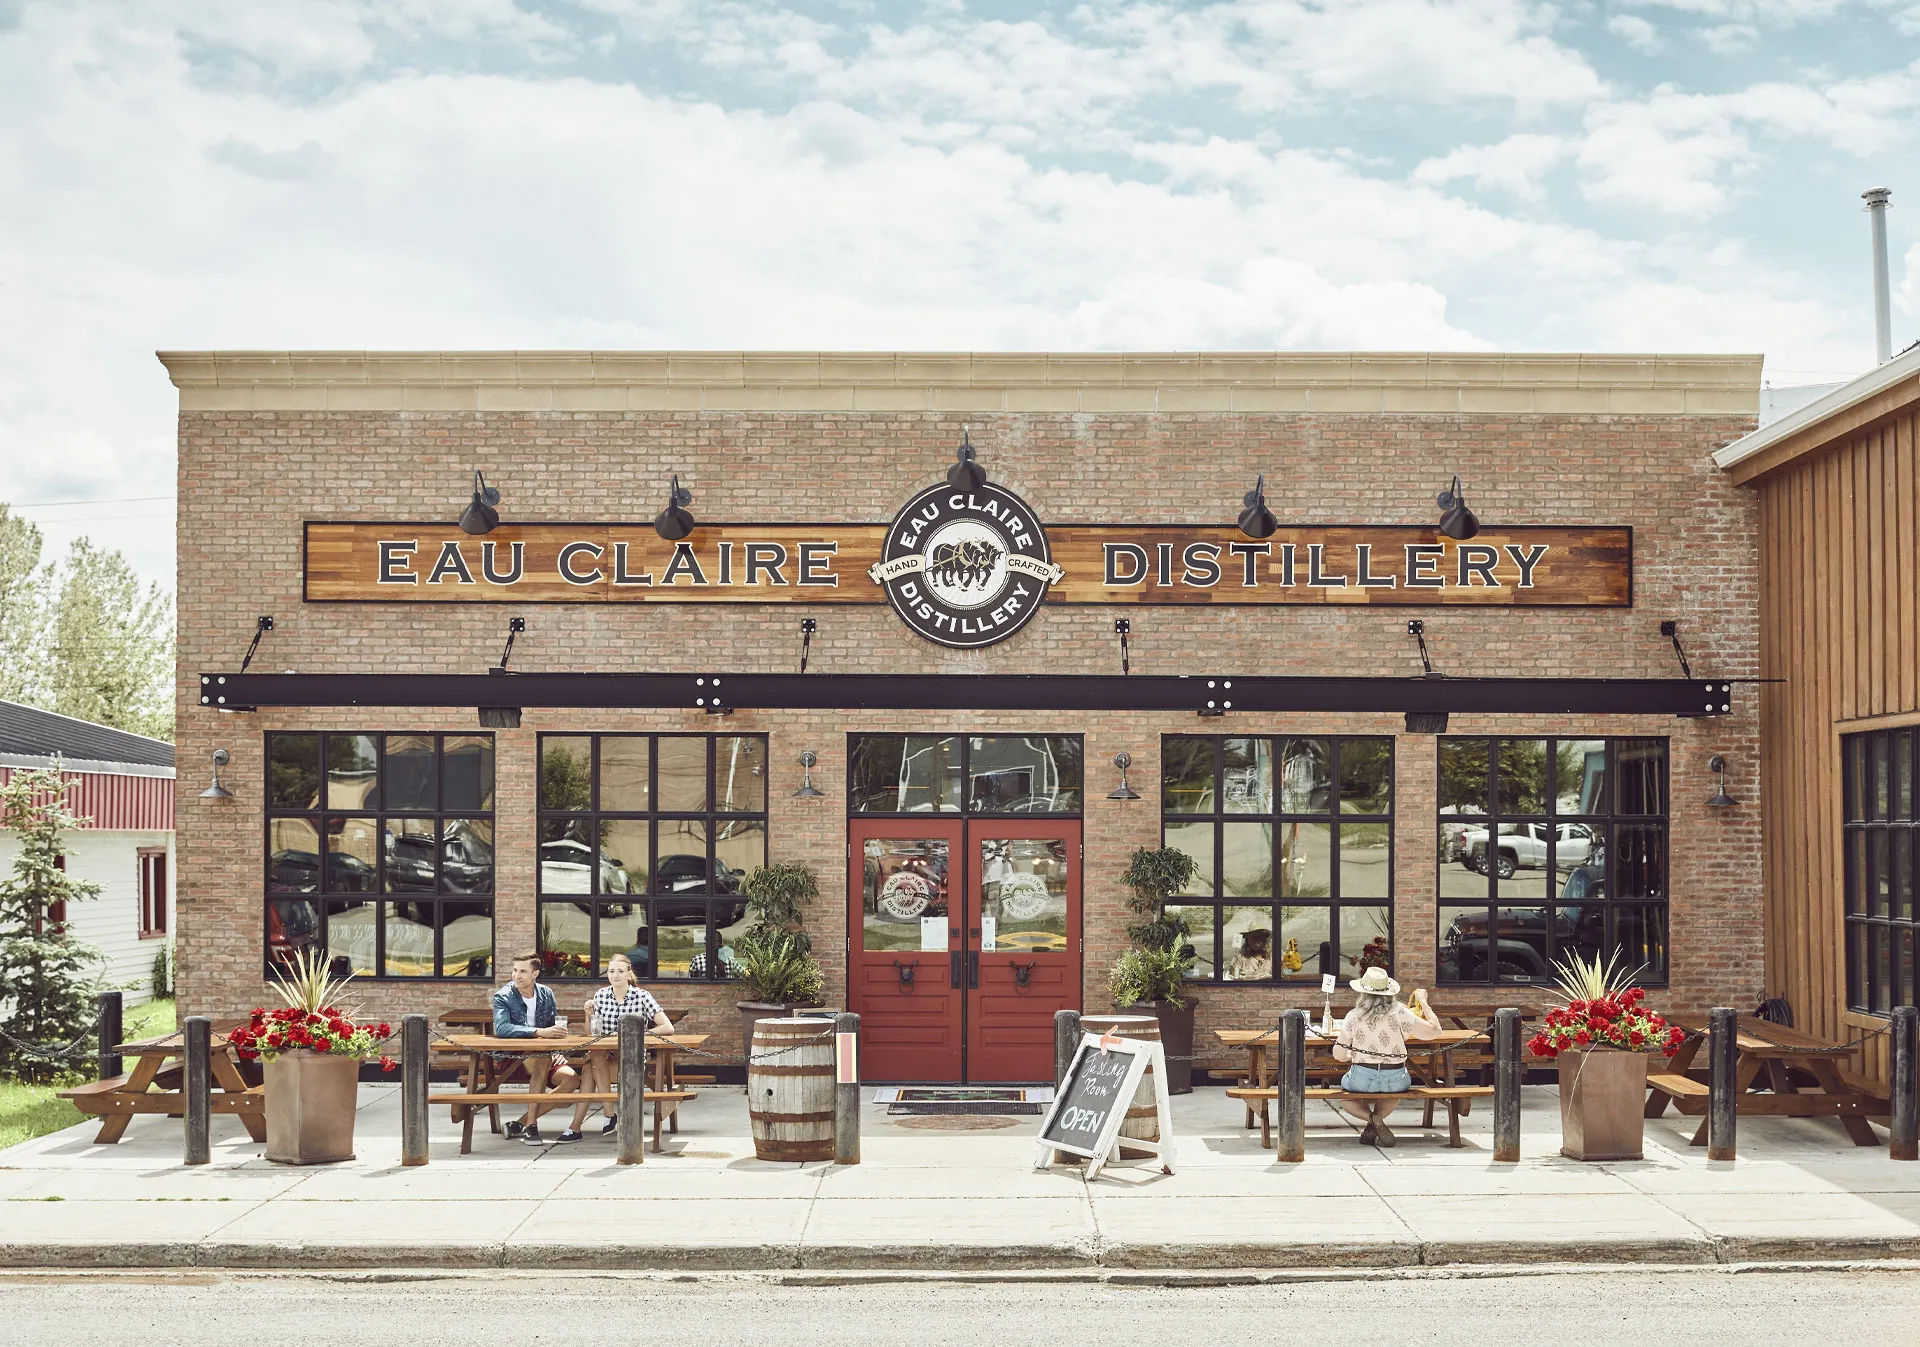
(1375,982)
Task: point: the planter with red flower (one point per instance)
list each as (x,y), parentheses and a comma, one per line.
(1601,1038)
(310,1052)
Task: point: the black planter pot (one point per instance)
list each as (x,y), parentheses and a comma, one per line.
(1176,1037)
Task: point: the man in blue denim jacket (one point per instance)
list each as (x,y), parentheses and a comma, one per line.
(525,1009)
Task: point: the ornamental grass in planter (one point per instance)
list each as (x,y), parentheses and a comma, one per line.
(1150,978)
(310,1052)
(773,961)
(1600,1039)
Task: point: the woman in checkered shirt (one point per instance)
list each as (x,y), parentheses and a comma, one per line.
(611,1004)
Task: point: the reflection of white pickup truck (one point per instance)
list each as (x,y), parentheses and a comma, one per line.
(1523,846)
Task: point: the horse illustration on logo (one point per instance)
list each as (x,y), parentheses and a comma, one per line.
(966,564)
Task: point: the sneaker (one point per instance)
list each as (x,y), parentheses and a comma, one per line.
(1382,1137)
(612,1125)
(1368,1134)
(532,1137)
(568,1135)
(514,1129)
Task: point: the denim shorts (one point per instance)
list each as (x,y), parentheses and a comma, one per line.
(1362,1079)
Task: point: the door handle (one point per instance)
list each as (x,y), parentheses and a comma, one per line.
(905,972)
(954,968)
(1022,972)
(973,971)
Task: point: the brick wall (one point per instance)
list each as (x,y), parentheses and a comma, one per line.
(247,479)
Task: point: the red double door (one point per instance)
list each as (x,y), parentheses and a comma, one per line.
(963,940)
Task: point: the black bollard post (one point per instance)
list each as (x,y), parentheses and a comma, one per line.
(1903,1105)
(1506,1086)
(1066,1038)
(1290,1080)
(413,1090)
(631,1132)
(110,1021)
(846,1089)
(1722,1045)
(199,1104)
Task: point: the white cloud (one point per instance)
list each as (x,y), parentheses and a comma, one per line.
(1635,31)
(1907,296)
(1517,165)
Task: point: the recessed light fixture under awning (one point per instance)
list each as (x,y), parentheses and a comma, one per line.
(1198,694)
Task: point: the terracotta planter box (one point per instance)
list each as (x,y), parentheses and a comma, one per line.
(1603,1095)
(311,1098)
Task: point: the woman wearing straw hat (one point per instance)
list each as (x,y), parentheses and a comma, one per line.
(1373,1041)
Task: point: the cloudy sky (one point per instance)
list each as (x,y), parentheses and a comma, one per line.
(1675,175)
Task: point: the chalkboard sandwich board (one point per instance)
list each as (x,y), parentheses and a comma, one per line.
(1091,1103)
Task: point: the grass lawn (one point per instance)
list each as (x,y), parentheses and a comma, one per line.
(28,1111)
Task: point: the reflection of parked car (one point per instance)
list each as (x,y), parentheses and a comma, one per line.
(688,874)
(466,864)
(293,872)
(409,863)
(1521,950)
(291,927)
(1588,880)
(1523,846)
(563,869)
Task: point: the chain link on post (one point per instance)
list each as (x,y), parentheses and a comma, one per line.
(1903,1104)
(1722,1046)
(196,1087)
(1506,1086)
(846,1090)
(414,1065)
(1290,1081)
(1066,1037)
(110,1022)
(631,1131)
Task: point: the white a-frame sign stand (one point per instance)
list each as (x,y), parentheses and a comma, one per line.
(1092,1103)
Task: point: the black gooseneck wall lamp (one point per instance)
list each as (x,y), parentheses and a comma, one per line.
(480,516)
(1123,791)
(966,472)
(1718,766)
(674,522)
(217,791)
(1456,520)
(808,791)
(1256,520)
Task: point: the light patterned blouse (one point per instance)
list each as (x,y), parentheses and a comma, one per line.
(1381,1040)
(607,1012)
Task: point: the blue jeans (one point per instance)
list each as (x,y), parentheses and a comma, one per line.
(1362,1079)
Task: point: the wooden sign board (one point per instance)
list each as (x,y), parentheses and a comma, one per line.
(1107,564)
(1092,1102)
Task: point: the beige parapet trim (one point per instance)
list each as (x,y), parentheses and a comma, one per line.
(800,381)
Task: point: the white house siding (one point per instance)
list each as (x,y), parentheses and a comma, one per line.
(111,922)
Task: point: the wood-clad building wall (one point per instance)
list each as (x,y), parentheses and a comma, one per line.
(1840,627)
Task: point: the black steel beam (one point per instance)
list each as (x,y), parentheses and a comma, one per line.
(974,692)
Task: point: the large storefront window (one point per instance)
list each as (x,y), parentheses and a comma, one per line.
(1550,848)
(379,852)
(1293,837)
(645,841)
(1881,816)
(952,774)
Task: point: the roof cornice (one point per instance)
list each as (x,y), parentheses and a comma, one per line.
(1439,382)
(1851,407)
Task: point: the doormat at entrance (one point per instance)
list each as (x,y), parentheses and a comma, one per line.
(953,1107)
(963,1094)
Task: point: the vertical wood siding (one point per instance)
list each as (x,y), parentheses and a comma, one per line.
(1839,575)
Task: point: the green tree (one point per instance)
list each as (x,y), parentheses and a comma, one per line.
(47,978)
(24,590)
(112,652)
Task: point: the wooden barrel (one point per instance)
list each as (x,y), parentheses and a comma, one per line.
(790,1086)
(1143,1116)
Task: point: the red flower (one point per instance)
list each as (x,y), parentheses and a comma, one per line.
(274,1040)
(1583,1038)
(1636,1038)
(387,1063)
(321,1045)
(382,1032)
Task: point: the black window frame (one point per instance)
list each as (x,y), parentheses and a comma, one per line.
(322,897)
(1335,903)
(597,901)
(966,810)
(1880,842)
(1609,820)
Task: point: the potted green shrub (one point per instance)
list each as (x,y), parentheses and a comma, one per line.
(1601,1036)
(311,1051)
(1150,978)
(773,961)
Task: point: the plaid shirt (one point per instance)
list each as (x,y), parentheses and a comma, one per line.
(607,1012)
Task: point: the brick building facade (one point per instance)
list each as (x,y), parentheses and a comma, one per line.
(270,441)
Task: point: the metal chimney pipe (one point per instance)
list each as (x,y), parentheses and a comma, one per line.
(1876,199)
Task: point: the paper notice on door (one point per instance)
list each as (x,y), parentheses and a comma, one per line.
(988,925)
(933,935)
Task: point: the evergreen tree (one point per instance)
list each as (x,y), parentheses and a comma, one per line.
(112,653)
(24,590)
(47,979)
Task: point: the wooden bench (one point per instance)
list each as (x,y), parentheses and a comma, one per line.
(1676,1086)
(1877,1090)
(1458,1099)
(465,1104)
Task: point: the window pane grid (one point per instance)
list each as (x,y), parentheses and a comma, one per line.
(645,842)
(1548,848)
(376,845)
(1292,836)
(1879,855)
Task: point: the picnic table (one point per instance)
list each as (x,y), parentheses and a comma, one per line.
(154,1087)
(1766,1055)
(1420,1062)
(483,1076)
(480,1018)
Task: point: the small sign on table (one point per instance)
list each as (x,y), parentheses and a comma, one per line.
(1091,1103)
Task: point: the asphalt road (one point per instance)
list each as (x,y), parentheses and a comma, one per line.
(1619,1306)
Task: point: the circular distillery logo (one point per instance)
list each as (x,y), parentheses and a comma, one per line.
(965,567)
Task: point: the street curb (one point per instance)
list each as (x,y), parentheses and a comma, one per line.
(1108,1261)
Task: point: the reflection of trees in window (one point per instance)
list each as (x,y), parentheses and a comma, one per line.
(977,774)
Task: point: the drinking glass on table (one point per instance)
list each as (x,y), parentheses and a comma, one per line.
(560,1023)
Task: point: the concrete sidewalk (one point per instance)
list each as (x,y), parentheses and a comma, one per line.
(955,1194)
